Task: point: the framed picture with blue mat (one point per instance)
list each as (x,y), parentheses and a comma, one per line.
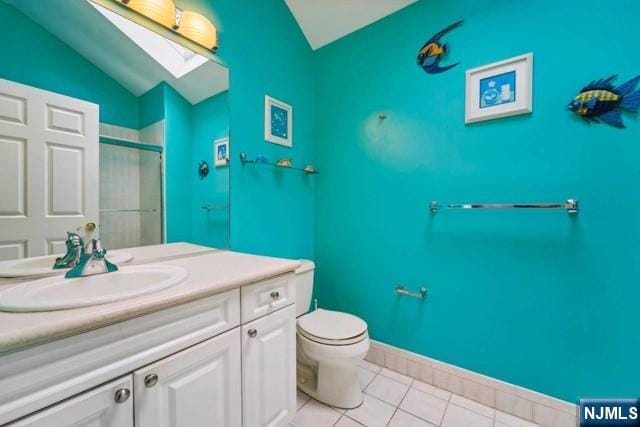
(500,89)
(221,152)
(278,122)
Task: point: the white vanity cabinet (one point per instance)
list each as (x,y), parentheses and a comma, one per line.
(269,369)
(107,405)
(198,387)
(199,364)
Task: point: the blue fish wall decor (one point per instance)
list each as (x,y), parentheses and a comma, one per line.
(431,53)
(203,169)
(601,101)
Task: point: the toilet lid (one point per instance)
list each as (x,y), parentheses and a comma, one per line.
(332,325)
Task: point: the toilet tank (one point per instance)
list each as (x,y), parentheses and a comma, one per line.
(304,286)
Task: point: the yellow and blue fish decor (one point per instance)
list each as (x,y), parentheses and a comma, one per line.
(431,53)
(601,101)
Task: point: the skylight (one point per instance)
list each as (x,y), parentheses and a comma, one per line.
(176,59)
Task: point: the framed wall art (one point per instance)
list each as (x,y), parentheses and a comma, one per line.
(278,122)
(221,152)
(501,89)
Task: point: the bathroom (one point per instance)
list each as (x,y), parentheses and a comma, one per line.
(472,264)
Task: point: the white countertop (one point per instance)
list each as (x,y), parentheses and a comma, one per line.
(209,273)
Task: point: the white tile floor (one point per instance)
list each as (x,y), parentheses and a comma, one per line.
(395,400)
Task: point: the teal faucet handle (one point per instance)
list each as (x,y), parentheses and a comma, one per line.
(73,240)
(93,262)
(75,250)
(98,251)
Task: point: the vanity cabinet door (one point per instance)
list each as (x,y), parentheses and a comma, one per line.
(110,405)
(197,387)
(269,369)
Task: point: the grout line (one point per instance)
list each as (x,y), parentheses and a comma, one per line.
(400,403)
(399,373)
(351,419)
(369,383)
(444,413)
(305,403)
(446,408)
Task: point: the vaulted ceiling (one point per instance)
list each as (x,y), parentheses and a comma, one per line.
(324,21)
(122,49)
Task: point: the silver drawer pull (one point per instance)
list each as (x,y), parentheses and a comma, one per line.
(150,380)
(122,395)
(252,333)
(275,295)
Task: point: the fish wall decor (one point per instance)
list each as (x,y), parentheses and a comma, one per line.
(601,101)
(431,53)
(203,169)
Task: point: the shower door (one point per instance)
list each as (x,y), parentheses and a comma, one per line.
(131,207)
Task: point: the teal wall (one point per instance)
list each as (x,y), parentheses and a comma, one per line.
(189,134)
(30,55)
(534,298)
(272,211)
(178,165)
(152,108)
(210,122)
(267,54)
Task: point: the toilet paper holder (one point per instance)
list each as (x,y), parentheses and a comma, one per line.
(421,294)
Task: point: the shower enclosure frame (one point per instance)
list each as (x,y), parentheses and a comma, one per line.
(150,148)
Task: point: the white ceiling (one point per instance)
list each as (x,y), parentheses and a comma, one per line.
(138,59)
(324,21)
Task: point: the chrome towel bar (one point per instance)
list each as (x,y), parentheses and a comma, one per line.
(571,206)
(128,210)
(421,294)
(215,207)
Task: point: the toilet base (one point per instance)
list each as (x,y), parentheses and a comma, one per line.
(329,374)
(338,387)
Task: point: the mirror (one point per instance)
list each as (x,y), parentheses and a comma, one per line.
(105,121)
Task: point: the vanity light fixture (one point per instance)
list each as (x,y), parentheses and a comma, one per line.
(197,28)
(188,24)
(161,11)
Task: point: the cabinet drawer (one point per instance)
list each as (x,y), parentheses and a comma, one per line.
(110,405)
(264,297)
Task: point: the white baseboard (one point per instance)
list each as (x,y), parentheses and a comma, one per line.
(518,401)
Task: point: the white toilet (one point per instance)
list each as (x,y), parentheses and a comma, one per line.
(330,345)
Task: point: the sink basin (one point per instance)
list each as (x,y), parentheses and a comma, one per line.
(58,293)
(42,265)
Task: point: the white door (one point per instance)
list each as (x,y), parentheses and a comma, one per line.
(197,387)
(110,405)
(269,369)
(48,169)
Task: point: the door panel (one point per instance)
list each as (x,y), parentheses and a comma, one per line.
(64,120)
(197,387)
(64,185)
(12,250)
(93,408)
(13,109)
(13,167)
(269,368)
(48,168)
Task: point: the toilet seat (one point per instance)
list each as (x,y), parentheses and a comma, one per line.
(332,327)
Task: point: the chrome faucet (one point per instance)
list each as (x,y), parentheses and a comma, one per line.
(96,263)
(75,247)
(75,251)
